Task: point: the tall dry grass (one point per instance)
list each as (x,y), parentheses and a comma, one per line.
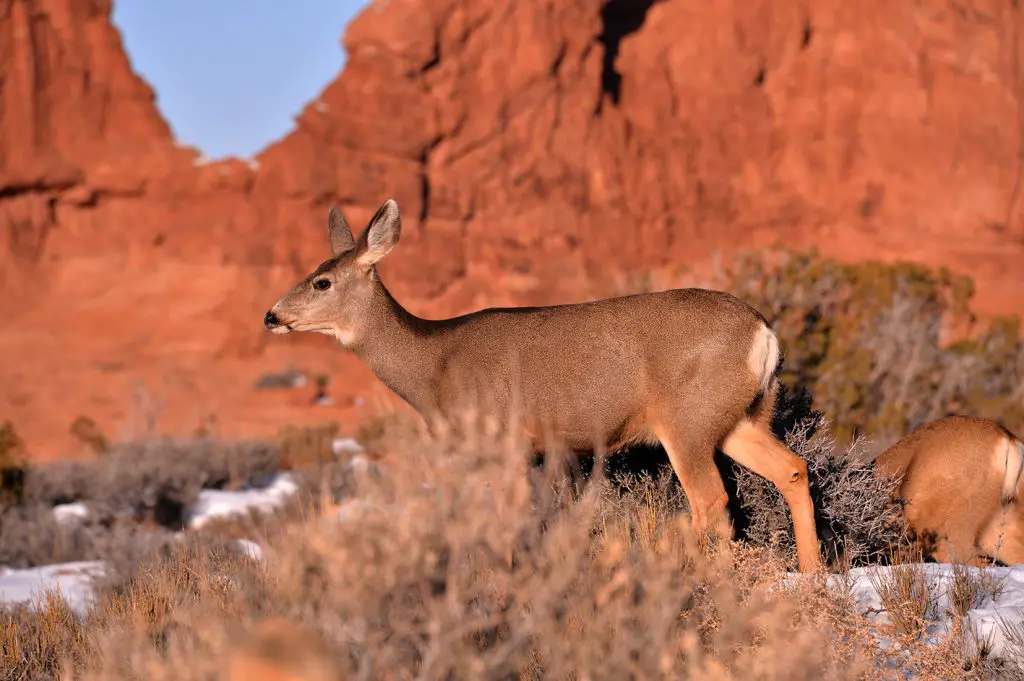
(456,560)
(457,563)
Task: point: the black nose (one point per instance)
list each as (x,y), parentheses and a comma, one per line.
(270,320)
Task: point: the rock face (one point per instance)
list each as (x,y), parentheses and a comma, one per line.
(535,149)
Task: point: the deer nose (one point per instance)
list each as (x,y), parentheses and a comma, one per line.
(270,320)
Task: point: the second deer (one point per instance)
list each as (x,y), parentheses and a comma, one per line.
(961,486)
(691,369)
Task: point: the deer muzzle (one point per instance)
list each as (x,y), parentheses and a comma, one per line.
(273,323)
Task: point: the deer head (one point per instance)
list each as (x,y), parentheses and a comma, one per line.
(339,296)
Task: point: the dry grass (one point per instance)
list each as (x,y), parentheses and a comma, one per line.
(409,576)
(417,583)
(918,645)
(970,588)
(908,597)
(36,644)
(309,447)
(1014,648)
(136,495)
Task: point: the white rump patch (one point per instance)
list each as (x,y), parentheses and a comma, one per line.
(1010,459)
(763,357)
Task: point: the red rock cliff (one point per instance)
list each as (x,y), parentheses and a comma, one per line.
(534,148)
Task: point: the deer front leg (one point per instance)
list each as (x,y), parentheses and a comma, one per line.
(753,446)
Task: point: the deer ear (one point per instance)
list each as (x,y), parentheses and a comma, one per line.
(381,235)
(338,232)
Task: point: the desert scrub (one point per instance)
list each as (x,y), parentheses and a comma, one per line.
(12,447)
(136,497)
(451,569)
(308,446)
(970,587)
(871,342)
(136,478)
(413,579)
(908,596)
(12,466)
(858,517)
(37,645)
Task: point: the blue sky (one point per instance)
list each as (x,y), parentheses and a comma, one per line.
(230,74)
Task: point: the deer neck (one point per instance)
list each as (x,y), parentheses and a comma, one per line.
(403,350)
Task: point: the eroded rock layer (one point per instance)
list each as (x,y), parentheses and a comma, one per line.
(536,149)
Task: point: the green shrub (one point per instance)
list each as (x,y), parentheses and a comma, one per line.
(870,342)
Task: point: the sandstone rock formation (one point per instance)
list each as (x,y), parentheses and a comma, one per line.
(535,148)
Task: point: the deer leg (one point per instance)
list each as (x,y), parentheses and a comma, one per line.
(694,464)
(1003,537)
(945,552)
(752,445)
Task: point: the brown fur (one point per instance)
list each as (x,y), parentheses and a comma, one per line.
(690,368)
(961,487)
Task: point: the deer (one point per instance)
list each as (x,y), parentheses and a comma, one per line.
(960,483)
(690,369)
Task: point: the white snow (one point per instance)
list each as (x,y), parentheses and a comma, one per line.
(249,548)
(72,580)
(346,445)
(985,618)
(65,513)
(217,503)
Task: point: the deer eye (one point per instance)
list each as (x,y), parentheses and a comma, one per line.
(322,284)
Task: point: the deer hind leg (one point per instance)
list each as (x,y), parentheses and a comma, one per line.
(752,445)
(951,551)
(955,537)
(1003,537)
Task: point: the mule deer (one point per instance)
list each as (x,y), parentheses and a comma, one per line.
(692,369)
(961,488)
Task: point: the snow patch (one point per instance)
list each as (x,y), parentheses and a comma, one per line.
(985,617)
(360,465)
(217,503)
(67,513)
(73,581)
(346,445)
(249,548)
